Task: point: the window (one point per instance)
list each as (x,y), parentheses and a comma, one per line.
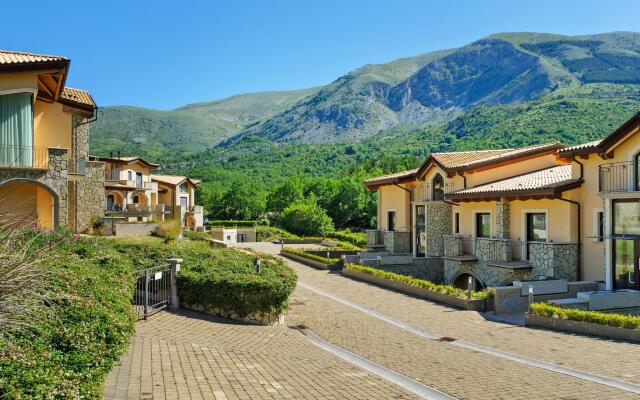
(437,188)
(16,130)
(600,226)
(183,201)
(483,225)
(391,221)
(129,176)
(183,188)
(456,222)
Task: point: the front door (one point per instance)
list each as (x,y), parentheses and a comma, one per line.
(536,229)
(626,270)
(110,202)
(420,238)
(139,179)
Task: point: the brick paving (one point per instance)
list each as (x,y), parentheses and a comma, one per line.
(188,355)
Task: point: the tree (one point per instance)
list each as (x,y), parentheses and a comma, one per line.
(244,200)
(306,219)
(283,195)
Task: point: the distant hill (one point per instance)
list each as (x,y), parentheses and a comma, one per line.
(506,89)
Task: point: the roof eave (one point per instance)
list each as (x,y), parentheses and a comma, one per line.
(554,192)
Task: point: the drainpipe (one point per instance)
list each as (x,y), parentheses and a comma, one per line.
(573,157)
(579,277)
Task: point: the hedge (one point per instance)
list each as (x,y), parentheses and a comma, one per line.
(218,277)
(595,317)
(231,223)
(310,256)
(357,238)
(71,344)
(445,289)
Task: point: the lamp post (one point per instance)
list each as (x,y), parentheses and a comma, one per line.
(530,297)
(469,285)
(257,265)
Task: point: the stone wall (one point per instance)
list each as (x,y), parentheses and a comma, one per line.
(54,178)
(429,268)
(493,249)
(397,242)
(87,198)
(135,229)
(80,137)
(554,260)
(487,275)
(453,245)
(438,224)
(503,220)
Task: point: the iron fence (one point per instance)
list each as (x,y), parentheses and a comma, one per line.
(618,177)
(153,290)
(24,157)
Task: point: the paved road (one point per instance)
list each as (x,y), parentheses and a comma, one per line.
(190,356)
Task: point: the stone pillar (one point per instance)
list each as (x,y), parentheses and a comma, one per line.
(502,219)
(175,268)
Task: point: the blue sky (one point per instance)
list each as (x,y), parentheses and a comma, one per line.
(164,54)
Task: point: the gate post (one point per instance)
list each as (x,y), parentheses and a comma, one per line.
(174,301)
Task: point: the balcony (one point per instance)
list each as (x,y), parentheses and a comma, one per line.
(423,192)
(24,157)
(618,177)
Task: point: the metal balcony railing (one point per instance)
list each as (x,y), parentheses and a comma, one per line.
(618,177)
(24,157)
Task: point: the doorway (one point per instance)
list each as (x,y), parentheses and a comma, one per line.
(536,230)
(626,267)
(420,233)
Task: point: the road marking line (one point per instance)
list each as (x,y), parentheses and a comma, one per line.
(409,384)
(604,380)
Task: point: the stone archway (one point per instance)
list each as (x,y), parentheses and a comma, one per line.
(30,201)
(461,281)
(115,201)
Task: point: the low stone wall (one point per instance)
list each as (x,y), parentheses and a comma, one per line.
(87,198)
(397,242)
(135,229)
(266,319)
(430,269)
(332,253)
(585,328)
(554,260)
(488,275)
(472,305)
(509,299)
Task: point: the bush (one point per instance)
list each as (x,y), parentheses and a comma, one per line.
(68,348)
(595,317)
(218,277)
(356,238)
(170,230)
(444,289)
(269,233)
(193,235)
(306,219)
(310,256)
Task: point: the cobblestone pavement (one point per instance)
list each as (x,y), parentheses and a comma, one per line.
(189,355)
(459,372)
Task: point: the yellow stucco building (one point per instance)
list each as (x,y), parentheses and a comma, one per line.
(537,213)
(46,177)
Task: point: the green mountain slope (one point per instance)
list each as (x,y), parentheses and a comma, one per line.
(188,129)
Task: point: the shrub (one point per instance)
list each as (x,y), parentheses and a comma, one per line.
(444,289)
(306,219)
(595,317)
(169,230)
(356,238)
(192,235)
(269,233)
(218,277)
(310,256)
(67,349)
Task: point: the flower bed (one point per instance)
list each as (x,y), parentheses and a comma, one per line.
(419,287)
(312,260)
(594,317)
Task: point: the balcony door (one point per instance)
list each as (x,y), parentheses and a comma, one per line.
(16,130)
(536,229)
(419,232)
(626,244)
(139,179)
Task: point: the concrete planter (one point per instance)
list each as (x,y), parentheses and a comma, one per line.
(551,286)
(580,327)
(254,319)
(309,262)
(472,305)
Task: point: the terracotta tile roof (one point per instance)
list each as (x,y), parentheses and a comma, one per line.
(78,97)
(173,179)
(471,159)
(380,180)
(8,57)
(546,179)
(126,160)
(581,148)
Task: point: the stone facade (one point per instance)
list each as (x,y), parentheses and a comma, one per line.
(503,219)
(493,249)
(437,225)
(554,260)
(430,268)
(80,137)
(54,179)
(373,238)
(87,198)
(397,242)
(453,245)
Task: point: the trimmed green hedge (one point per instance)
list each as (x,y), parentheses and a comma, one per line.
(445,289)
(356,238)
(231,223)
(595,317)
(218,277)
(72,343)
(310,256)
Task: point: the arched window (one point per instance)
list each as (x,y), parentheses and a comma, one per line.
(437,188)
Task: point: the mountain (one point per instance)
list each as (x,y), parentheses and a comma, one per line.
(188,129)
(569,87)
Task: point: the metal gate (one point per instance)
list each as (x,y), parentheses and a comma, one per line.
(153,290)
